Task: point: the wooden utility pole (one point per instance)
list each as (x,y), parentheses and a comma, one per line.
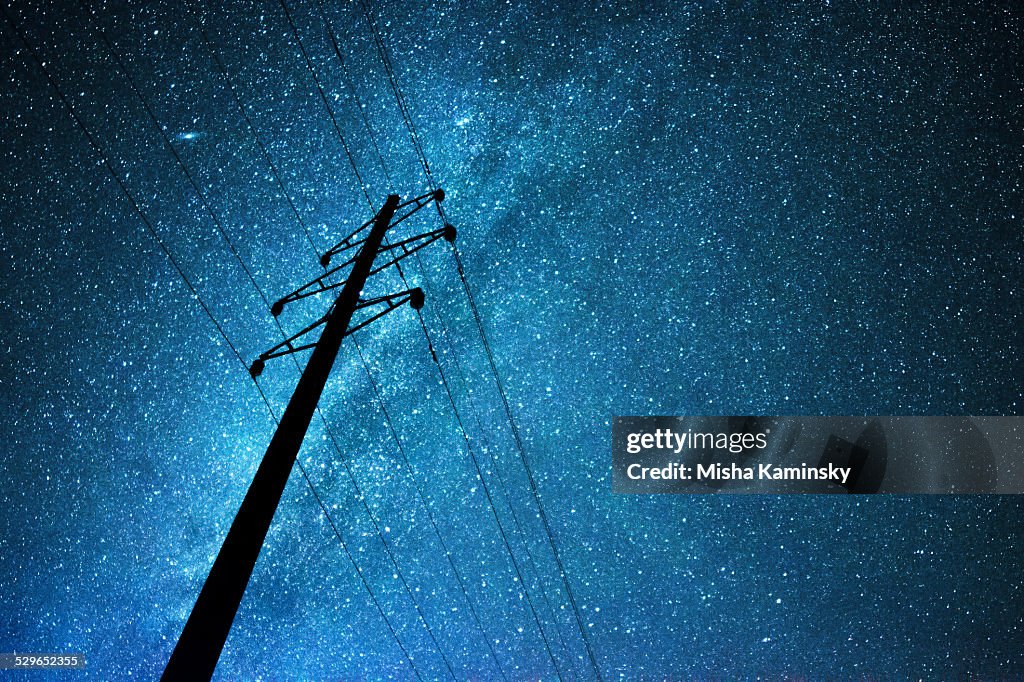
(198,650)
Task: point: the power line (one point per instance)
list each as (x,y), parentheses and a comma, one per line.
(380,400)
(327,104)
(90,17)
(298,218)
(216,220)
(403,106)
(414,136)
(502,486)
(359,571)
(350,83)
(120,183)
(487,492)
(501,483)
(522,455)
(430,515)
(359,493)
(341,540)
(97,148)
(376,527)
(387,549)
(410,124)
(331,436)
(256,136)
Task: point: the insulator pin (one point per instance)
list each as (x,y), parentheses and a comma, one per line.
(257,368)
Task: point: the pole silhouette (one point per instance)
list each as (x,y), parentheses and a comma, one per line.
(198,649)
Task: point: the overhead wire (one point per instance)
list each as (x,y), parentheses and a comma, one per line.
(413,133)
(410,124)
(508,547)
(256,136)
(430,515)
(112,51)
(487,492)
(331,436)
(350,84)
(285,193)
(387,548)
(369,129)
(359,570)
(355,169)
(326,424)
(425,164)
(503,488)
(403,106)
(388,551)
(526,465)
(104,159)
(417,144)
(327,104)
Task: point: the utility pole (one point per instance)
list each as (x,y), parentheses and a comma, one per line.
(198,649)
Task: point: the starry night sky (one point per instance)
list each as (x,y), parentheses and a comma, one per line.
(756,208)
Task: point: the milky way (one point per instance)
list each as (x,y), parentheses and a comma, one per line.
(661,210)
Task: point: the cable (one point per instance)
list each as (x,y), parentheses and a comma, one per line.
(372,518)
(216,220)
(359,571)
(259,142)
(522,456)
(414,135)
(97,148)
(501,483)
(120,183)
(91,19)
(418,147)
(502,487)
(327,105)
(403,106)
(255,284)
(341,540)
(387,548)
(487,492)
(423,501)
(350,84)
